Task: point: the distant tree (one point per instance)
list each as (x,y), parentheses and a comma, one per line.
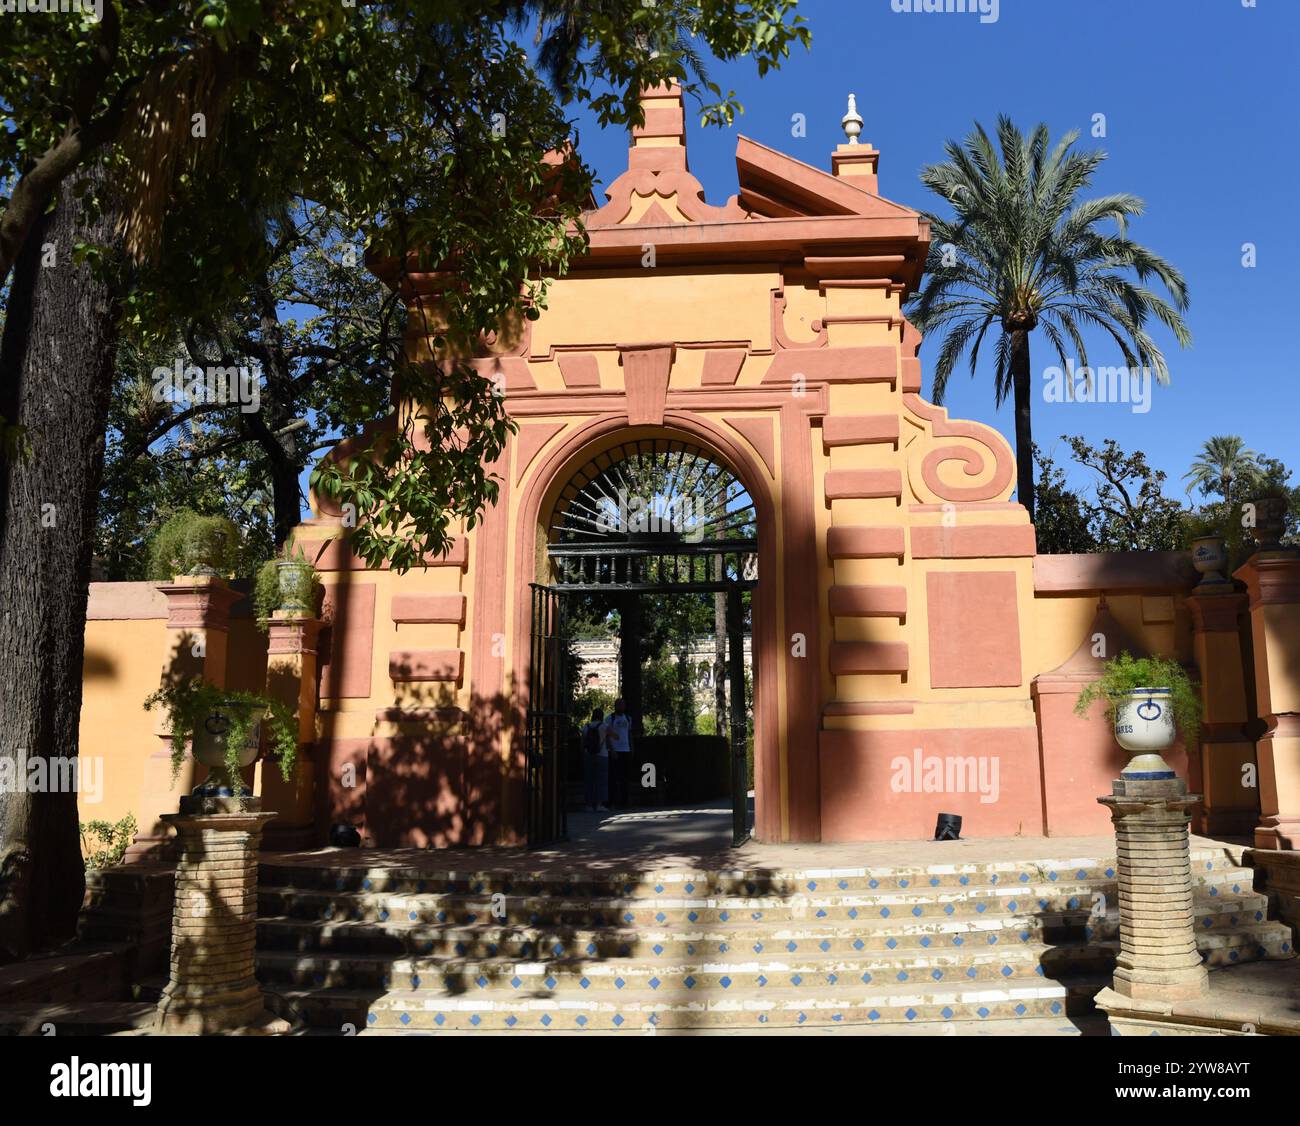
(1133,514)
(1063,520)
(1022,252)
(1224,468)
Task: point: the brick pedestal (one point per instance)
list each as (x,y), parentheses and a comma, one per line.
(1158,959)
(213,987)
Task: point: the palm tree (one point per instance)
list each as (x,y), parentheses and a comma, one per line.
(1023,252)
(1223,461)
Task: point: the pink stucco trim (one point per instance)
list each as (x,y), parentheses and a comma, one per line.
(1113,572)
(428,608)
(859,429)
(125,602)
(868,601)
(722,367)
(974,629)
(849,657)
(983,541)
(405,665)
(856,484)
(858,542)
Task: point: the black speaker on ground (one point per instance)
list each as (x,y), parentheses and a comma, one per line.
(344,836)
(948,828)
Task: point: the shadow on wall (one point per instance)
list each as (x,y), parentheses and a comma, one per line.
(453,781)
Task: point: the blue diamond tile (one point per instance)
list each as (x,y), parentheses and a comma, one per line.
(792,946)
(725,982)
(550,983)
(1007,971)
(546,1020)
(858,944)
(916,911)
(825,945)
(689,983)
(925,941)
(618,1020)
(910,1014)
(370,1017)
(511,1021)
(873,1015)
(655,983)
(946,1013)
(657,948)
(937,975)
(1020,1010)
(405,1018)
(891,943)
(982,1011)
(796,980)
(515,982)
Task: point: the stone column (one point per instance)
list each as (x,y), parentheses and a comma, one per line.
(213,987)
(198,620)
(291,677)
(1158,959)
(1224,770)
(1273,580)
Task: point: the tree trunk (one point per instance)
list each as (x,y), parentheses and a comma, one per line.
(56,367)
(1022,386)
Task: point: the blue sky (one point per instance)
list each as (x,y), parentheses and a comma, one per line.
(1202,105)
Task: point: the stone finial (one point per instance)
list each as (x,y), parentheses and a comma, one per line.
(852,121)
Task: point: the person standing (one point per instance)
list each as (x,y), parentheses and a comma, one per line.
(617,736)
(595,762)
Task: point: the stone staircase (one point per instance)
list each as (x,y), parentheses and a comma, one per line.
(387,948)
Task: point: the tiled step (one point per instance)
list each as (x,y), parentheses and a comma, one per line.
(636,1011)
(381,907)
(813,970)
(398,936)
(1209,867)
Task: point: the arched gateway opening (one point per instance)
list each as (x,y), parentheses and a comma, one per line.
(638,529)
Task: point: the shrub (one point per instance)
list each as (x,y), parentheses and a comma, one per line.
(103,844)
(1124,674)
(186,541)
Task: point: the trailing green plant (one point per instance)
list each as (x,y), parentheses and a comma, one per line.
(1124,674)
(186,702)
(115,839)
(269,592)
(186,540)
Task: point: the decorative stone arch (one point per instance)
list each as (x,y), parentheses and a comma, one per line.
(553,470)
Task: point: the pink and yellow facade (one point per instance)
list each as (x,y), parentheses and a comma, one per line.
(913,653)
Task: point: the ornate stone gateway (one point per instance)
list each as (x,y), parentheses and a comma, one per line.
(913,654)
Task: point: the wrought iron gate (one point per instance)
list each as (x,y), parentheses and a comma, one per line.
(547,721)
(648,516)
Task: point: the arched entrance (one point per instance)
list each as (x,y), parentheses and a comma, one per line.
(635,515)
